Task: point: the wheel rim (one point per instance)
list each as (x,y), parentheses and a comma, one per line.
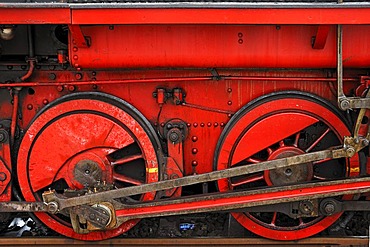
(82,140)
(259,132)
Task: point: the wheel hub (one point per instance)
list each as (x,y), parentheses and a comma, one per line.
(288,175)
(89,168)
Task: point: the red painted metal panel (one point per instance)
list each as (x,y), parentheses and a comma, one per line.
(35,15)
(246,46)
(222,16)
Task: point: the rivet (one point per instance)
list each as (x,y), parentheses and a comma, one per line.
(201,124)
(188,124)
(29,107)
(229,102)
(222,124)
(195,125)
(59,88)
(52,76)
(75,49)
(2,176)
(229,115)
(78,76)
(71,88)
(45,101)
(194,150)
(194,138)
(75,57)
(229,90)
(240,35)
(162,124)
(209,124)
(215,124)
(93,73)
(194,163)
(240,41)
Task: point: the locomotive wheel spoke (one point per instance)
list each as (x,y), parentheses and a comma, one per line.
(126,159)
(247,179)
(273,221)
(319,177)
(318,140)
(126,179)
(296,139)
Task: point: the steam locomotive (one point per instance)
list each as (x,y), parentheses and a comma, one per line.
(116,111)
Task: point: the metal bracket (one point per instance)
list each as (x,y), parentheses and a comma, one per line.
(344,102)
(319,40)
(78,38)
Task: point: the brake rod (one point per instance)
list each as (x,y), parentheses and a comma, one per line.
(59,203)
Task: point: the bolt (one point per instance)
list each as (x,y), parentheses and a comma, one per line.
(344,104)
(2,176)
(52,76)
(365,142)
(59,88)
(174,137)
(288,172)
(52,207)
(92,216)
(87,171)
(329,208)
(2,137)
(169,126)
(78,76)
(350,152)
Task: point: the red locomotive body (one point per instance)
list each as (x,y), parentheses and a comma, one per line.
(111,112)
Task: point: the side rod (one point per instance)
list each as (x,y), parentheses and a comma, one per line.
(62,203)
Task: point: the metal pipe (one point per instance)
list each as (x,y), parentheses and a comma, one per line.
(14,115)
(180,79)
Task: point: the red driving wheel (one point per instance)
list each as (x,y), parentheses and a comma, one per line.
(276,126)
(82,140)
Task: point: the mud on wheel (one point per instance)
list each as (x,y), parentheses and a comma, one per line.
(81,140)
(276,126)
